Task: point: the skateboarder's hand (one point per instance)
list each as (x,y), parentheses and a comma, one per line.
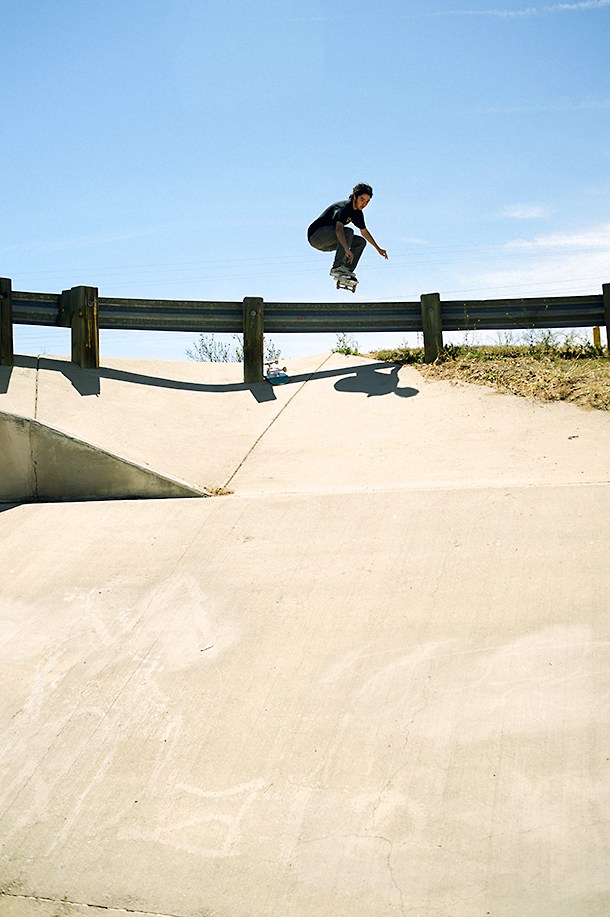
(348,256)
(383,253)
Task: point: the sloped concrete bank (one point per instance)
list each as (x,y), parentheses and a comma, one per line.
(40,463)
(353,705)
(373,682)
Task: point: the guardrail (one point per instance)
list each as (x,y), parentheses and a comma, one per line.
(82,310)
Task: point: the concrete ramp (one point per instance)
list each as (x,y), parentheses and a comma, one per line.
(40,463)
(372,681)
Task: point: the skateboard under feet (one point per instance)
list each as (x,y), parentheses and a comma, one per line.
(345,280)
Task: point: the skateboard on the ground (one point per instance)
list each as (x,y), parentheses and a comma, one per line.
(275,374)
(345,280)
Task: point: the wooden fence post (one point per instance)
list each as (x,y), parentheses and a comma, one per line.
(85,327)
(253,339)
(606,289)
(7,357)
(433,326)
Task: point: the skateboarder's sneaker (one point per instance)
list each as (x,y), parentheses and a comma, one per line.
(341,271)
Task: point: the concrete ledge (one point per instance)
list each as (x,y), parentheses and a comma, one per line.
(41,463)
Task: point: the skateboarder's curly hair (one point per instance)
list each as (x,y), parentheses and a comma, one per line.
(362,189)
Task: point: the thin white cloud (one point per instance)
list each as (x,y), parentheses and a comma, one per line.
(526,212)
(556,264)
(573,276)
(587,5)
(530,11)
(590,241)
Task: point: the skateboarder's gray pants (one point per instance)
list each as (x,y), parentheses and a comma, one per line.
(325,240)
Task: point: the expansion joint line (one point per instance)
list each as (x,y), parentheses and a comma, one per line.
(279,414)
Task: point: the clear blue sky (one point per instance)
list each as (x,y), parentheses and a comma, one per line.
(180,148)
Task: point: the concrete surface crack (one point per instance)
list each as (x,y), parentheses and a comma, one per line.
(391,872)
(64,902)
(32,457)
(36,389)
(33,460)
(278,415)
(405,764)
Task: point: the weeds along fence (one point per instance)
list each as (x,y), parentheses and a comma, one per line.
(82,310)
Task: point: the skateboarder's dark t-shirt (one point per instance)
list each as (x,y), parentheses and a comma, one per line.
(342,212)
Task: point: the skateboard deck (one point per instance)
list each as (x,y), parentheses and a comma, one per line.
(345,281)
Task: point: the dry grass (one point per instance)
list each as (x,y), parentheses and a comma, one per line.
(545,370)
(219,491)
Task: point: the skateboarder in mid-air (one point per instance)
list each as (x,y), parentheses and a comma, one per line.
(329,233)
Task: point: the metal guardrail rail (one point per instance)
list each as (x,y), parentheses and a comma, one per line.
(85,312)
(184,315)
(544,312)
(36,308)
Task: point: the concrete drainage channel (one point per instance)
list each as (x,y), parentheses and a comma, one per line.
(41,463)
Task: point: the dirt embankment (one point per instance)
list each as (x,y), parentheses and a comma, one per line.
(581,377)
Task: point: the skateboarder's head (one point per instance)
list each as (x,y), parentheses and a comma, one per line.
(361,195)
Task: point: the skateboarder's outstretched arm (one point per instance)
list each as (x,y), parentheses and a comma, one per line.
(370,239)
